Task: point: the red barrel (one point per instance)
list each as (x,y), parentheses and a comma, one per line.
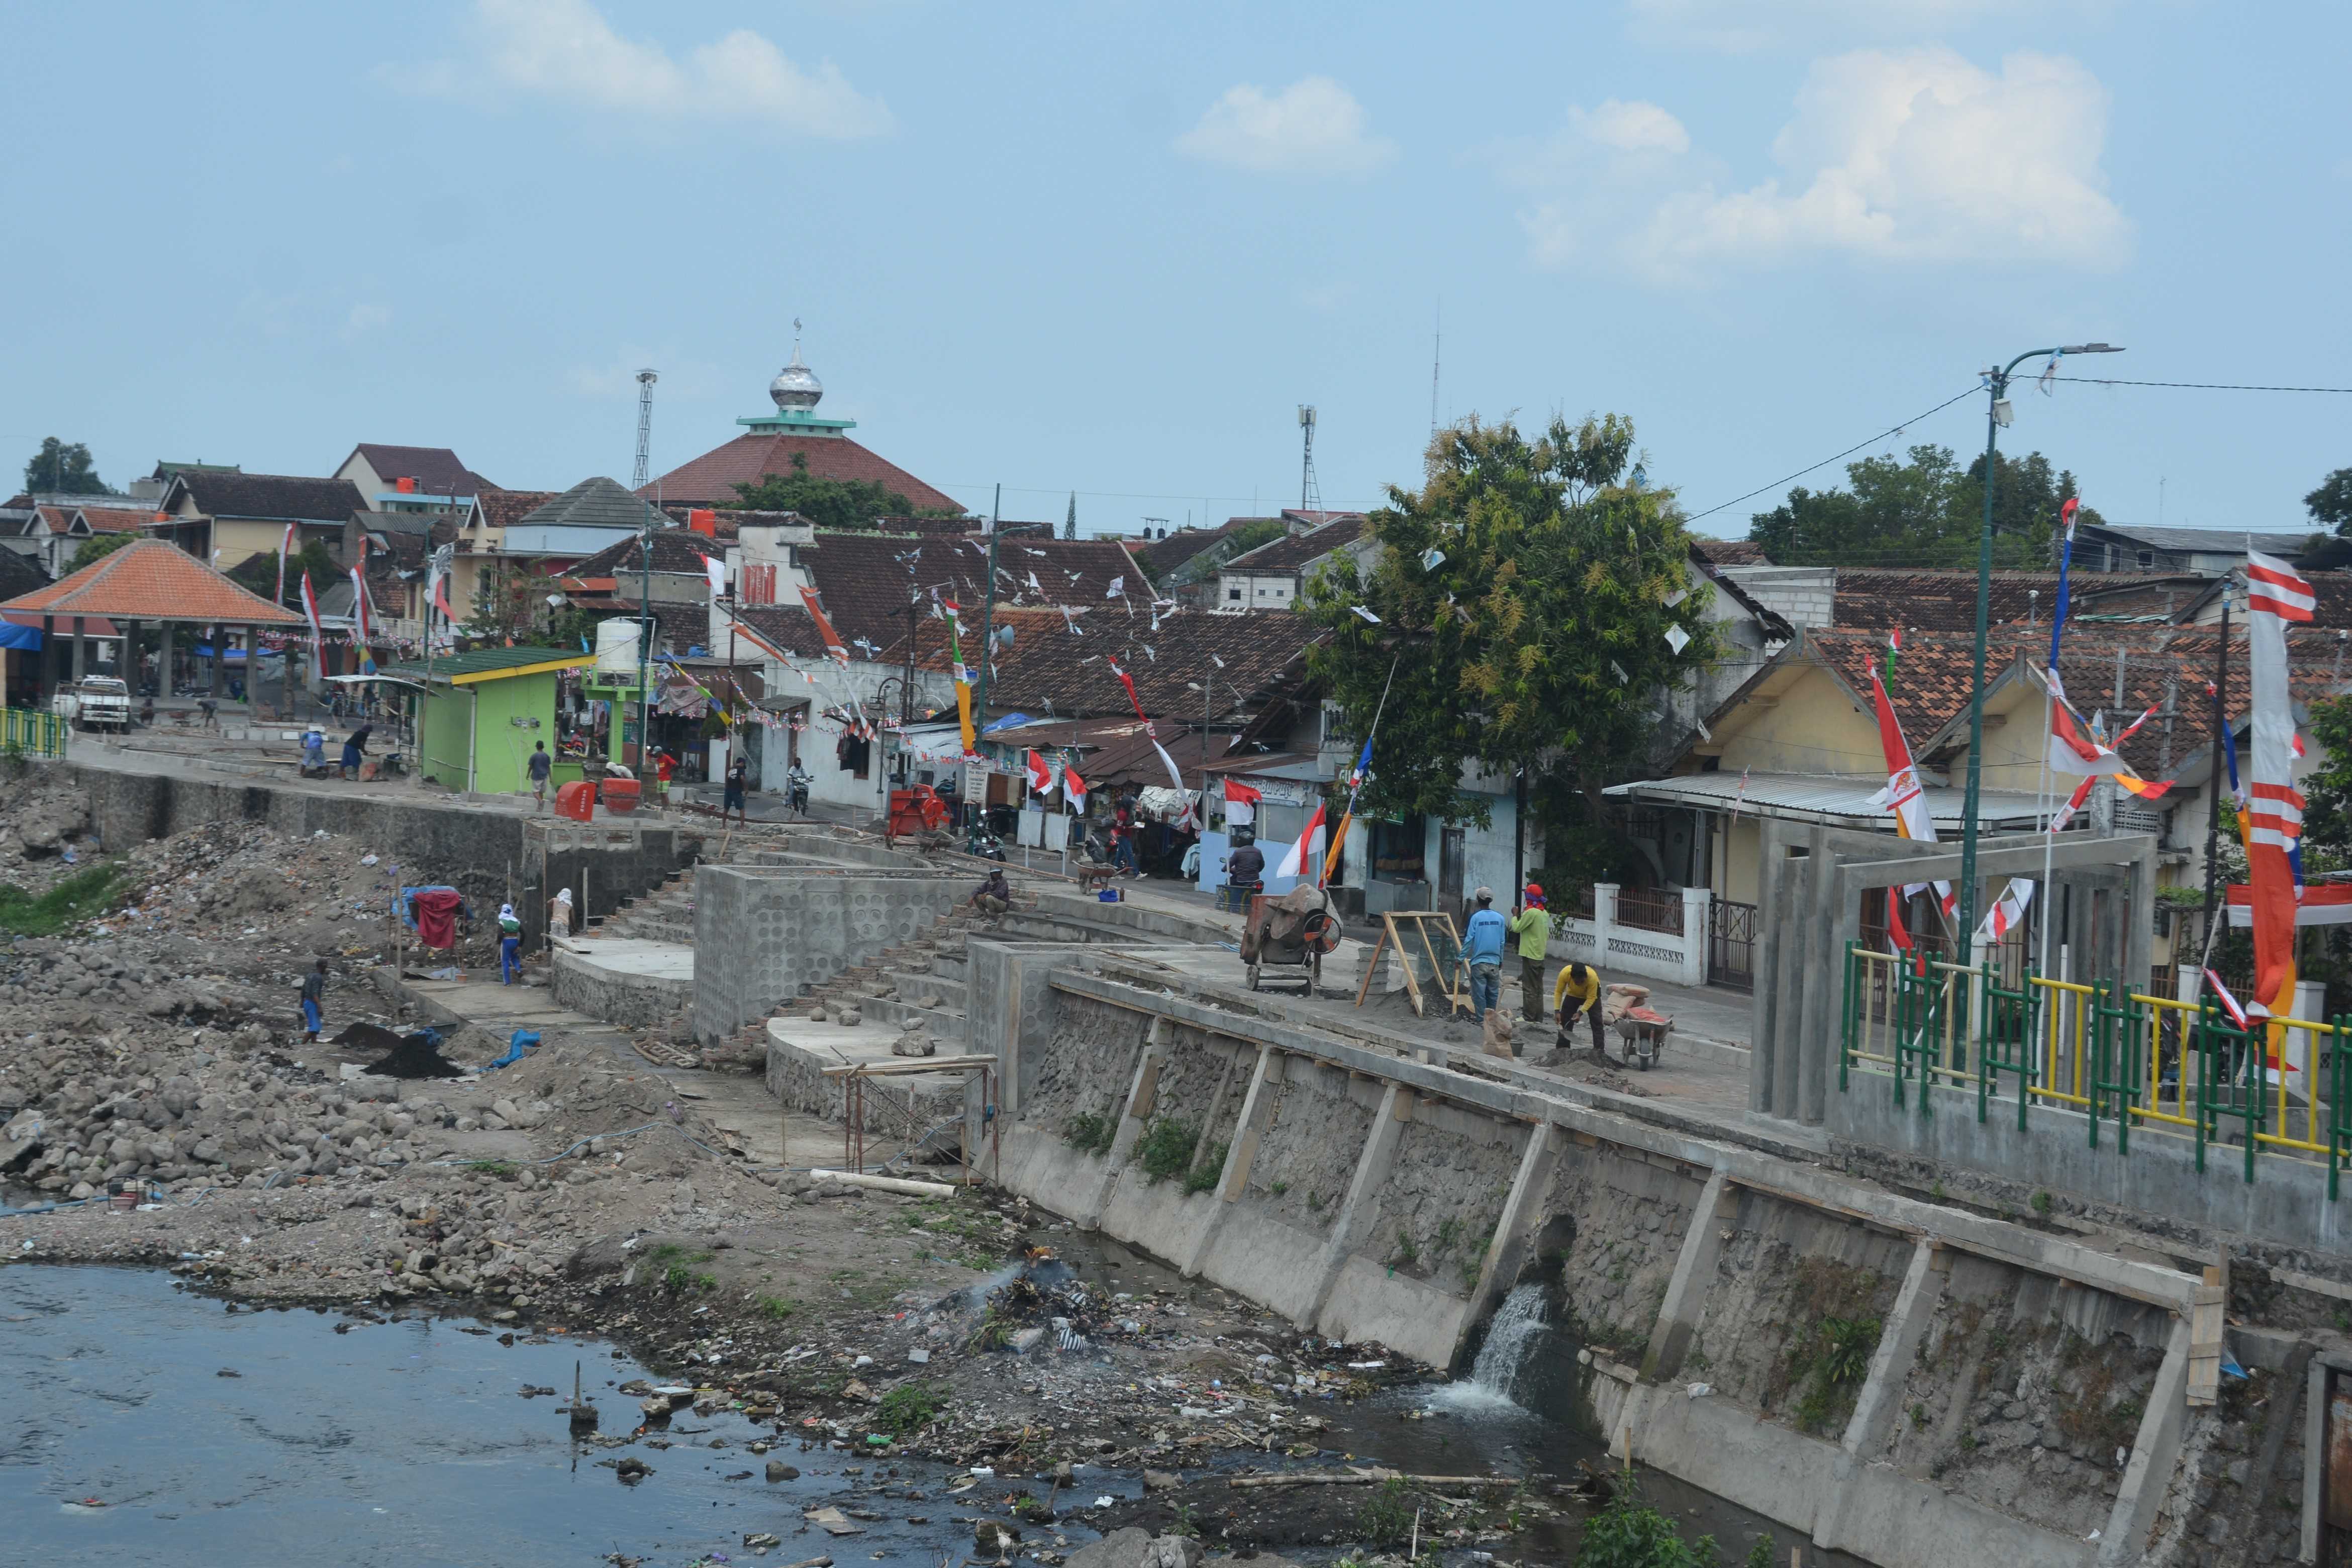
(621,797)
(576,800)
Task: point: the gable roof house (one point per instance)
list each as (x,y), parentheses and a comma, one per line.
(1271,576)
(411,479)
(224,518)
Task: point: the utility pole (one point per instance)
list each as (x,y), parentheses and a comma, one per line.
(996,531)
(645,379)
(1997,413)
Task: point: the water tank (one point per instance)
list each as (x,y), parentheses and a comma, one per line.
(616,645)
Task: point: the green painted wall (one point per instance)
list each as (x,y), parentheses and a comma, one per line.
(487,710)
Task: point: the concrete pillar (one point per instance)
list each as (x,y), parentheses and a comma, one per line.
(2156,1452)
(1695,904)
(218,660)
(1217,1107)
(1360,1211)
(1135,1114)
(1678,1314)
(1522,1209)
(1258,1111)
(1898,1345)
(252,665)
(163,661)
(1604,915)
(80,648)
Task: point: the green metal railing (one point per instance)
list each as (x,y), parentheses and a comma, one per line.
(32,731)
(2126,1060)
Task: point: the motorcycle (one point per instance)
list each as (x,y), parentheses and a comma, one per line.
(798,798)
(988,847)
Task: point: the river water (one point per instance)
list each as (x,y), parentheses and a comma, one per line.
(406,1444)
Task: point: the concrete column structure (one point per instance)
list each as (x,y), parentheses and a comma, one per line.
(2155,1453)
(1881,1400)
(1135,1114)
(1257,1110)
(163,661)
(1360,1211)
(1678,1314)
(80,648)
(217,639)
(1522,1211)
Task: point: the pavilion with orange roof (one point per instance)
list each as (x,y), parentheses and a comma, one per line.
(147,581)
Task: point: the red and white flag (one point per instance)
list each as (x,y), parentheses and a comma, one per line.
(835,648)
(1041,776)
(1305,854)
(2228,1003)
(2007,913)
(1903,795)
(2276,596)
(1073,788)
(1241,804)
(359,607)
(716,570)
(310,610)
(2066,812)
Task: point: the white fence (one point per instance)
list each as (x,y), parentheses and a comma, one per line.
(1614,947)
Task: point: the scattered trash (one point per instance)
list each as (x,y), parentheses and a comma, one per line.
(1699,1390)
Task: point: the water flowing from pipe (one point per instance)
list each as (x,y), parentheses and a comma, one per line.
(1511,1336)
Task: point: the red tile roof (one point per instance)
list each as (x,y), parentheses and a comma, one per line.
(1259,655)
(504,509)
(867,579)
(710,479)
(1299,551)
(117,519)
(1878,598)
(152,581)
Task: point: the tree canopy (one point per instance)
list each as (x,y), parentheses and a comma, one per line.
(1923,511)
(829,504)
(64,468)
(2331,504)
(97,547)
(1522,595)
(259,573)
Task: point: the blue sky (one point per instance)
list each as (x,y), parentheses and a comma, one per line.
(1110,247)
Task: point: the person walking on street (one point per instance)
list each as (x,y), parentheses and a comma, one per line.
(739,773)
(355,750)
(540,766)
(1579,990)
(510,945)
(1532,926)
(1482,955)
(314,1001)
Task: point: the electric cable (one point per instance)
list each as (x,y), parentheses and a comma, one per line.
(1890,430)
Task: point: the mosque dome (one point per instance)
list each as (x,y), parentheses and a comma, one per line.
(797,385)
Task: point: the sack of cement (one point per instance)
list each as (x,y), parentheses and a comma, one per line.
(1496,1036)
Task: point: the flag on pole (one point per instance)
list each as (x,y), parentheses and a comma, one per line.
(2066,812)
(1300,857)
(359,607)
(835,648)
(2065,559)
(2228,1003)
(1040,777)
(716,570)
(1241,804)
(1739,794)
(1356,779)
(1073,788)
(2275,595)
(2007,913)
(1894,932)
(1902,795)
(285,545)
(311,612)
(962,676)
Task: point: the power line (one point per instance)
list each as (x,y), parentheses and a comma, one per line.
(2196,386)
(1850,451)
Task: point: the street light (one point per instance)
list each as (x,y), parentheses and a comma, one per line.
(1999,414)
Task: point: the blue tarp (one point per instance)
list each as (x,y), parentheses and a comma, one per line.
(14,635)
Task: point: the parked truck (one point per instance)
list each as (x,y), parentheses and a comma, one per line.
(95,702)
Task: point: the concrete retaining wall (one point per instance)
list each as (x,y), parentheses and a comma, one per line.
(1684,1261)
(600,979)
(480,853)
(763,933)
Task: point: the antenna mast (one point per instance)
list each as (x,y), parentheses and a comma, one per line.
(1310,498)
(646,380)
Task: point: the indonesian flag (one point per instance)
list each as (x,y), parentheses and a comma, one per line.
(2324,904)
(2066,812)
(359,607)
(2073,750)
(835,650)
(2275,595)
(1306,851)
(1241,804)
(1903,795)
(310,610)
(1040,777)
(2007,913)
(441,595)
(717,570)
(2228,1003)
(1894,932)
(285,545)
(1073,788)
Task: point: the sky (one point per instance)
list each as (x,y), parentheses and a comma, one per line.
(1110,248)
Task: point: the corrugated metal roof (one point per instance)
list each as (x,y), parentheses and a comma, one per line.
(1843,798)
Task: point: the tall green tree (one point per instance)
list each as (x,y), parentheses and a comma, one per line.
(1923,511)
(97,547)
(1522,602)
(829,504)
(64,468)
(2331,504)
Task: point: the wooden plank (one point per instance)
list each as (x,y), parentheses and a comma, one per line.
(902,1065)
(1372,965)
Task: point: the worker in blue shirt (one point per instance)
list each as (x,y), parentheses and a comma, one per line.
(1482,955)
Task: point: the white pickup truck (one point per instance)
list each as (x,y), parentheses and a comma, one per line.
(95,702)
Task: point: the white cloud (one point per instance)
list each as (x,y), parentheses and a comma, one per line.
(1314,126)
(1907,156)
(366,318)
(565,48)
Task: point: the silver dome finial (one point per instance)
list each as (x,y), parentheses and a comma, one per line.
(797,385)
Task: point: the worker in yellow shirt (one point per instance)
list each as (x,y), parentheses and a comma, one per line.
(1579,990)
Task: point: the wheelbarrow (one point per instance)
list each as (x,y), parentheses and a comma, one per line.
(1642,1035)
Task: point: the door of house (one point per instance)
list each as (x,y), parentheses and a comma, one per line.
(1452,852)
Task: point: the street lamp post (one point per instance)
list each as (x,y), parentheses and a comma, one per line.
(1997,414)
